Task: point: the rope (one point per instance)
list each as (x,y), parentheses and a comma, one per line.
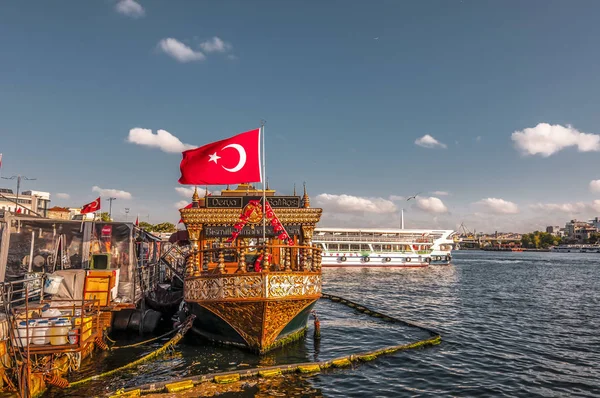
(305,368)
(143,342)
(174,340)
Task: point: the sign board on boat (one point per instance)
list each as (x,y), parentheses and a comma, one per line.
(238,202)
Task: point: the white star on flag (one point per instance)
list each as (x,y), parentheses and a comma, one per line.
(214,157)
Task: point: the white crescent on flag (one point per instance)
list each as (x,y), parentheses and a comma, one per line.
(242,153)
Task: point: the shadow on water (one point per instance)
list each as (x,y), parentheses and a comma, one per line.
(513,324)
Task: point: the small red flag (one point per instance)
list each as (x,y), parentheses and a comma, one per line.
(137,221)
(91,207)
(18,210)
(186,207)
(234,160)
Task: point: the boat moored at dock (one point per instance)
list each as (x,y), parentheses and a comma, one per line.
(380,247)
(250,286)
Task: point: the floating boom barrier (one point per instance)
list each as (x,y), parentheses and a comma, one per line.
(306,368)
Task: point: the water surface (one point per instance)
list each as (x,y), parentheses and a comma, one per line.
(512,324)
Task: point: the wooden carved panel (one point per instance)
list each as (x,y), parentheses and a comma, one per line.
(245,317)
(278,314)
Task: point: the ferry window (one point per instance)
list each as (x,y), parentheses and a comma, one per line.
(377,248)
(354,247)
(387,248)
(364,247)
(344,247)
(333,247)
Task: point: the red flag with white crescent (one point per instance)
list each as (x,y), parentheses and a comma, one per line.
(233,160)
(91,207)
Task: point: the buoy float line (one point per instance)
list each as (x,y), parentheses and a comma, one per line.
(307,368)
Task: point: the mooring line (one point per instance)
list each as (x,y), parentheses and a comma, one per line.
(306,368)
(174,340)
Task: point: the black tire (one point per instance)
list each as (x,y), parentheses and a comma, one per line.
(135,322)
(366,259)
(428,260)
(150,321)
(121,320)
(408,259)
(387,259)
(343,258)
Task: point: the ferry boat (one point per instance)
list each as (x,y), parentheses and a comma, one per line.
(248,285)
(377,247)
(576,249)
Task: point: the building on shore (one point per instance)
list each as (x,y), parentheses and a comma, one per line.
(30,202)
(59,213)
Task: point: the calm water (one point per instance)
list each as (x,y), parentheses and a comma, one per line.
(513,324)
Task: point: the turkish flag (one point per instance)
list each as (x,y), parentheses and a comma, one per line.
(19,211)
(91,207)
(186,207)
(137,221)
(233,160)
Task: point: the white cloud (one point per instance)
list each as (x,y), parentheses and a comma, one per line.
(396,198)
(355,204)
(545,139)
(61,195)
(114,193)
(428,141)
(131,8)
(431,205)
(163,140)
(181,204)
(595,186)
(596,205)
(570,208)
(215,45)
(440,193)
(498,206)
(179,51)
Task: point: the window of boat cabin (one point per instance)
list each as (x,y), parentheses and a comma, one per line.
(377,248)
(386,248)
(344,247)
(354,247)
(333,247)
(364,247)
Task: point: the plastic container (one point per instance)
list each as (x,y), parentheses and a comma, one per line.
(21,332)
(52,283)
(41,333)
(58,332)
(51,313)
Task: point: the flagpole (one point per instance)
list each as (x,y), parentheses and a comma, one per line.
(264,178)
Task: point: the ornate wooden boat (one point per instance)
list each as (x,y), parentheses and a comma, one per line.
(245,291)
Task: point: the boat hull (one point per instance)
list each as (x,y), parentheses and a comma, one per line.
(336,260)
(259,311)
(239,332)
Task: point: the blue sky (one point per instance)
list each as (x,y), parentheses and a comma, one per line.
(346,87)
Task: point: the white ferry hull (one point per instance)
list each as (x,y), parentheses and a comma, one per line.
(374,261)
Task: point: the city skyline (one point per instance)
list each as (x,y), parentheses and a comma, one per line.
(369,105)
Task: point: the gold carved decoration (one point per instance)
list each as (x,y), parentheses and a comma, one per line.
(199,216)
(252,286)
(244,317)
(278,314)
(258,323)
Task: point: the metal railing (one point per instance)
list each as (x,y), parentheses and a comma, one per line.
(406,240)
(260,258)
